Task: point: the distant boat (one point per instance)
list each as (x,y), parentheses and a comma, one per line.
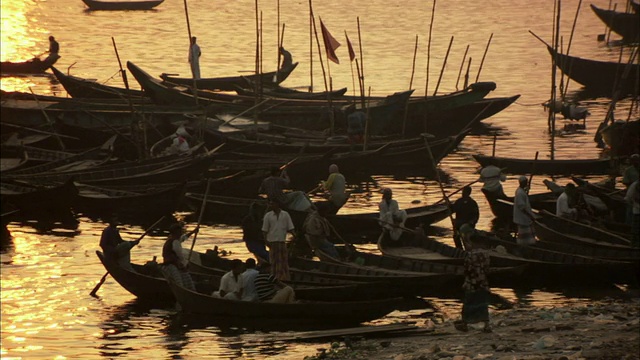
(122,5)
(547,166)
(622,23)
(33,66)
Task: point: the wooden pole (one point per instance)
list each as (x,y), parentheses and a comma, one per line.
(426,85)
(202,208)
(493,148)
(353,79)
(466,74)
(361,60)
(406,105)
(258,85)
(444,64)
(533,170)
(552,113)
(366,125)
(573,28)
(464,57)
(311,31)
(135,125)
(483,56)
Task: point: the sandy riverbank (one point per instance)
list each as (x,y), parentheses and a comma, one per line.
(607,329)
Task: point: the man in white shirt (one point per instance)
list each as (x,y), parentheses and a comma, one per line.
(562,203)
(275,226)
(231,282)
(391,217)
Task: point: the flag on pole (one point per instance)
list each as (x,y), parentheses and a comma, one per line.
(352,54)
(330,44)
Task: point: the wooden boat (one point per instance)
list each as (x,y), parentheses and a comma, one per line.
(623,24)
(502,208)
(122,5)
(148,201)
(82,88)
(544,267)
(613,198)
(288,93)
(547,166)
(285,112)
(33,66)
(147,283)
(622,137)
(38,201)
(301,312)
(231,83)
(553,228)
(599,76)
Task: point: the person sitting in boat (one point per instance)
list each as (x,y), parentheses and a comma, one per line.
(466,209)
(356,122)
(523,216)
(175,262)
(273,186)
(391,217)
(54,48)
(317,230)
(249,275)
(179,144)
(252,233)
(270,289)
(335,186)
(231,282)
(114,247)
(491,176)
(633,198)
(563,207)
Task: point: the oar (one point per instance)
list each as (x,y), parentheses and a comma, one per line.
(204,203)
(283,167)
(245,111)
(104,277)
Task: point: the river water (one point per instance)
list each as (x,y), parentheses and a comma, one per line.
(48,271)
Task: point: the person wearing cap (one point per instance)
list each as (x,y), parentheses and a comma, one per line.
(335,185)
(475,306)
(194,58)
(631,175)
(491,176)
(275,226)
(563,209)
(523,216)
(391,217)
(270,289)
(175,262)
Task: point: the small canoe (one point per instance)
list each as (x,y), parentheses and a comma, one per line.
(33,66)
(122,5)
(547,166)
(553,228)
(622,23)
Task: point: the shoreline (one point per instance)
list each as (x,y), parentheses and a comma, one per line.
(606,329)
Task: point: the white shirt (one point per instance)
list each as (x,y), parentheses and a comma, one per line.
(562,206)
(229,283)
(388,209)
(277,226)
(521,208)
(249,292)
(632,196)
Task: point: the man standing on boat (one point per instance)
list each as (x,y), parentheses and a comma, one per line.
(54,48)
(275,226)
(466,209)
(174,260)
(114,247)
(194,58)
(523,216)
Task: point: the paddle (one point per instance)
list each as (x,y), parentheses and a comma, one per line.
(104,277)
(204,203)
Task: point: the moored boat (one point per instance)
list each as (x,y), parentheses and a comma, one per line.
(622,23)
(548,166)
(122,5)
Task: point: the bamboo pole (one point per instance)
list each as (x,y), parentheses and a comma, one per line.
(466,74)
(573,28)
(426,86)
(311,30)
(464,57)
(353,79)
(444,64)
(406,105)
(134,123)
(366,125)
(361,61)
(257,67)
(552,113)
(483,57)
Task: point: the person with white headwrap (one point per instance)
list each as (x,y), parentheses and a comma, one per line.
(523,216)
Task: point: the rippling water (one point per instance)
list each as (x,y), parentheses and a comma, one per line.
(49,271)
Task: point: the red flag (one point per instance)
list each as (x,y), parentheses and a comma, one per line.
(330,44)
(352,54)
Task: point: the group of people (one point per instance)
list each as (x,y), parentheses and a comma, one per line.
(247,283)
